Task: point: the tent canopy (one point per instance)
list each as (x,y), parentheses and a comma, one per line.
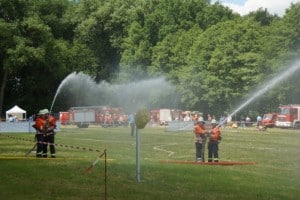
(16,111)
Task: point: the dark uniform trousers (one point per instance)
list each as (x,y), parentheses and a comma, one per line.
(39,140)
(213,147)
(49,140)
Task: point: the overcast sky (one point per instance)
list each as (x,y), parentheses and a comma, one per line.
(245,6)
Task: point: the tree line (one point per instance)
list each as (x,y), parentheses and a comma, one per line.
(214,57)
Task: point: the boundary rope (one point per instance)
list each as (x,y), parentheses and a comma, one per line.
(56,144)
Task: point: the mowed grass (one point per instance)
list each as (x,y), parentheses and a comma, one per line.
(276,174)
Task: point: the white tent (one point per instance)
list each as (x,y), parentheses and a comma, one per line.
(16,111)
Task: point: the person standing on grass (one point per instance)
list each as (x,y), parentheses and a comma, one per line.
(39,136)
(213,144)
(46,125)
(199,131)
(258,121)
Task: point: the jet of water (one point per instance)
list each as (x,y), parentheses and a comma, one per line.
(69,77)
(267,86)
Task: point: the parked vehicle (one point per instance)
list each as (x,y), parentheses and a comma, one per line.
(64,117)
(269,120)
(288,116)
(82,117)
(164,116)
(105,116)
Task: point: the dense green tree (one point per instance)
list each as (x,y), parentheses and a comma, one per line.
(281,49)
(162,19)
(100,25)
(262,16)
(35,53)
(170,55)
(215,58)
(292,22)
(136,57)
(214,14)
(10,12)
(225,62)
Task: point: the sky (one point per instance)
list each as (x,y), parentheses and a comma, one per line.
(243,7)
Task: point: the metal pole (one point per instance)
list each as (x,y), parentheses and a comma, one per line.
(105,178)
(138,171)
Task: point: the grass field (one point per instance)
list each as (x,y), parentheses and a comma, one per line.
(276,174)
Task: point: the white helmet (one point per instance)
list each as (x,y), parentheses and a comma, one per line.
(214,121)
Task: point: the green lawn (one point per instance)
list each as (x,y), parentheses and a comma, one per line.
(274,176)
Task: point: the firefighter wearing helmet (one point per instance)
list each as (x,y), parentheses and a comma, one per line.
(45,125)
(39,136)
(199,131)
(213,144)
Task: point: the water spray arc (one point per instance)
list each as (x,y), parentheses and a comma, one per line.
(60,86)
(267,86)
(128,96)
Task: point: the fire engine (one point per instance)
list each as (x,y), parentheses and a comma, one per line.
(288,116)
(64,117)
(105,116)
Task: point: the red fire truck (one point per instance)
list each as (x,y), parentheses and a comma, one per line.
(64,117)
(288,116)
(269,120)
(105,116)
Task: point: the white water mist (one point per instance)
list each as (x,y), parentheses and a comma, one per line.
(84,91)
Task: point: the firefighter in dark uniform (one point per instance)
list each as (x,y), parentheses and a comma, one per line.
(46,125)
(199,131)
(213,144)
(39,136)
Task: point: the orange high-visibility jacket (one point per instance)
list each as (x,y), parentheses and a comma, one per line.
(215,134)
(41,123)
(52,121)
(199,132)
